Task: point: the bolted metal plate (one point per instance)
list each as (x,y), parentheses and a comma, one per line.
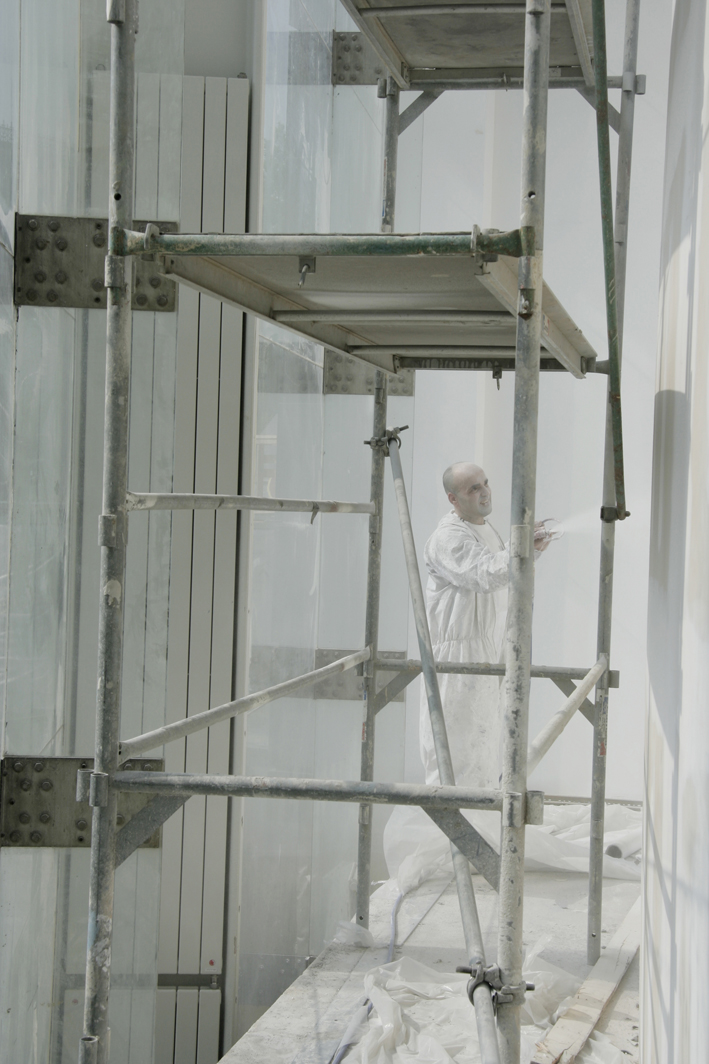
(343,375)
(59,262)
(354,61)
(38,805)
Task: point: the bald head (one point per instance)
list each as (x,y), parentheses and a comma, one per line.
(467,489)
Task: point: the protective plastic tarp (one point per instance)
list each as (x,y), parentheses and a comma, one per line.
(424,1016)
(415,848)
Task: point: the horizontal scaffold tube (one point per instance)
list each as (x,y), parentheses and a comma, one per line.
(180,728)
(494,317)
(310,789)
(174,501)
(553,729)
(486,668)
(428,10)
(298,244)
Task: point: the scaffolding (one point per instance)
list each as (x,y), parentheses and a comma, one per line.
(495,319)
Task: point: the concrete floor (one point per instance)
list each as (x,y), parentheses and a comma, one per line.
(305,1025)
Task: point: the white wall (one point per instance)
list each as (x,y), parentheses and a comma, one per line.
(675,1024)
(469,152)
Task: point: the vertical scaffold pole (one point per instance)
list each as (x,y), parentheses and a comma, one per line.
(371,639)
(605,595)
(482,999)
(524,464)
(112,534)
(391,150)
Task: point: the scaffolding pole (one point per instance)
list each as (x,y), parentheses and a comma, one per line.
(112,535)
(610,502)
(524,467)
(482,997)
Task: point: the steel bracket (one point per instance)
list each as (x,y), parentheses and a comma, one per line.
(62,262)
(343,375)
(493,242)
(354,61)
(502,994)
(39,805)
(609,514)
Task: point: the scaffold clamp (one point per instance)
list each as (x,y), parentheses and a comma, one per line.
(502,994)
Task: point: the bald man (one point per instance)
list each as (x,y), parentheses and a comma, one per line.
(468,565)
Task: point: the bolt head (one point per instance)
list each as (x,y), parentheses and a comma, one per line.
(46,785)
(26,784)
(15,836)
(40,243)
(35,836)
(52,296)
(33,224)
(32,294)
(40,276)
(18,766)
(38,766)
(99,239)
(81,825)
(97,284)
(141,300)
(162,300)
(24,818)
(61,243)
(155,282)
(120,819)
(45,817)
(53,225)
(60,277)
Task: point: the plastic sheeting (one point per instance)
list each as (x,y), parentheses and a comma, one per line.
(425,1016)
(416,849)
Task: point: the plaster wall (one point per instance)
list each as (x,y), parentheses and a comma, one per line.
(675,1027)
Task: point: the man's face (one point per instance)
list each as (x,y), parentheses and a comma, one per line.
(473,499)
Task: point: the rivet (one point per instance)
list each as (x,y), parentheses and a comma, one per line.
(341,77)
(346,48)
(33,224)
(45,817)
(162,300)
(24,818)
(141,300)
(358,48)
(345,387)
(18,766)
(40,276)
(41,243)
(99,239)
(46,785)
(15,836)
(26,784)
(35,836)
(353,77)
(81,825)
(52,296)
(61,243)
(97,284)
(32,294)
(120,819)
(53,226)
(155,282)
(60,277)
(38,766)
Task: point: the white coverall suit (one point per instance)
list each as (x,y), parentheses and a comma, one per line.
(467,611)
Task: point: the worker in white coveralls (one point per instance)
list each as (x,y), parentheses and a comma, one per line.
(466,595)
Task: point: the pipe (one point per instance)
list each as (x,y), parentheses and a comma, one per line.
(428,10)
(371,635)
(606,186)
(484,668)
(296,244)
(554,727)
(605,591)
(391,150)
(491,317)
(113,529)
(524,468)
(494,81)
(169,733)
(484,1015)
(175,501)
(435,797)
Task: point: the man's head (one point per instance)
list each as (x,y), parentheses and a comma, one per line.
(467,489)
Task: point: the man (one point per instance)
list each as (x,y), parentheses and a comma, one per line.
(468,568)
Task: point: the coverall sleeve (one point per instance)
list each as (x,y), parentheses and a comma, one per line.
(463,561)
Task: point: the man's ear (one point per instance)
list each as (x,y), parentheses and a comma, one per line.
(452,498)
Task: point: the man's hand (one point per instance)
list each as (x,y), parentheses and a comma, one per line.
(542,539)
